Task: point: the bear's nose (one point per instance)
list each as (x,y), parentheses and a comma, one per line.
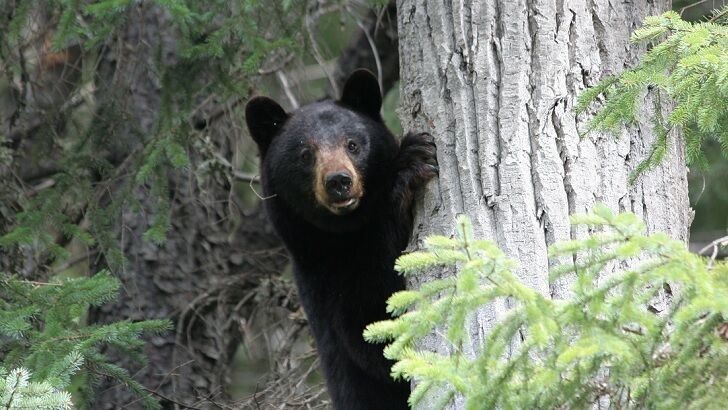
(338,185)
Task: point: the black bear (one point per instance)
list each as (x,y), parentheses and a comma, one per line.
(339,191)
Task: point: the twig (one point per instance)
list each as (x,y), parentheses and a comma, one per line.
(36,283)
(38,119)
(719,15)
(317,53)
(633,331)
(287,89)
(277,67)
(202,122)
(169,399)
(262,198)
(682,10)
(715,245)
(242,176)
(373,46)
(47,183)
(153,392)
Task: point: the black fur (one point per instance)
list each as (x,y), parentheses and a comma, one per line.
(343,264)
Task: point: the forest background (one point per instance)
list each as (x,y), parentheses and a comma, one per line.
(128,204)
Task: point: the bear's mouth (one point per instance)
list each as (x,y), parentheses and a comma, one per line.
(345,206)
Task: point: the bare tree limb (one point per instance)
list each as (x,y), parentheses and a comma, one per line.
(376,48)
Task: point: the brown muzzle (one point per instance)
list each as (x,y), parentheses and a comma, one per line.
(337,183)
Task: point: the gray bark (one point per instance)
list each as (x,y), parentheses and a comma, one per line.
(495,82)
(34,103)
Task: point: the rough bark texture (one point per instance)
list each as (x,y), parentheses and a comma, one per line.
(495,82)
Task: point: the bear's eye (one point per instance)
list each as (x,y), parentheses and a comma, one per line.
(352,147)
(305,156)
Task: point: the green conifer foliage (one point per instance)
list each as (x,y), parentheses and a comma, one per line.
(603,343)
(18,392)
(43,333)
(687,65)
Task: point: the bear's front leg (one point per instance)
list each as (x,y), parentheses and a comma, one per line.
(415,164)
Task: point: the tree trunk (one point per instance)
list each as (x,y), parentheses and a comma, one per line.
(495,82)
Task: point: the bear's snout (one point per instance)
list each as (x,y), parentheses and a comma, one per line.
(338,185)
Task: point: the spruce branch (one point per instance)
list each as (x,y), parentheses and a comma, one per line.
(686,69)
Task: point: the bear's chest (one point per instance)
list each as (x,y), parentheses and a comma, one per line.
(352,279)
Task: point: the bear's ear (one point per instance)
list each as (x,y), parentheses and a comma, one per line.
(361,93)
(264,117)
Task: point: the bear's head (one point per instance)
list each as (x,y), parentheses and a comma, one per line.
(328,161)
